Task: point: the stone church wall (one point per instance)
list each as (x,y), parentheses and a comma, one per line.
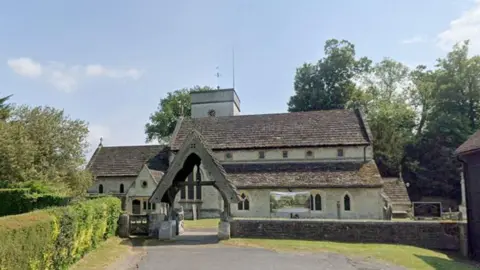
(366,203)
(111,185)
(426,234)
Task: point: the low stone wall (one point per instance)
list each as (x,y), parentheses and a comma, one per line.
(427,234)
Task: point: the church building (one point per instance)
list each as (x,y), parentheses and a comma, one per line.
(327,153)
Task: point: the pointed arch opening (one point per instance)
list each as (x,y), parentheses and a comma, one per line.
(347,203)
(244,204)
(122,188)
(100,188)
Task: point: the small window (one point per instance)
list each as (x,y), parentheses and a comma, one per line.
(346,203)
(228,155)
(100,188)
(154,206)
(340,152)
(285,154)
(144,205)
(144,184)
(261,154)
(316,203)
(244,204)
(122,188)
(309,154)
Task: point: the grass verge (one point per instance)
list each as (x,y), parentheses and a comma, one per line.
(103,256)
(207,223)
(407,256)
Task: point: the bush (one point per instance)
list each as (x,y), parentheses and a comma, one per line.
(56,238)
(22,200)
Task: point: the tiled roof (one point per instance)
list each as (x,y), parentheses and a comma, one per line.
(128,160)
(299,129)
(157,175)
(472,144)
(396,190)
(304,175)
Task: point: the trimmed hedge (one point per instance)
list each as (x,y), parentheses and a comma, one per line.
(58,237)
(21,200)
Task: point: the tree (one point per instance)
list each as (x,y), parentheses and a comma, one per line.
(163,120)
(43,144)
(452,116)
(381,92)
(5,108)
(329,83)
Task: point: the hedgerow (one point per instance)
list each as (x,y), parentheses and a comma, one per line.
(21,200)
(56,238)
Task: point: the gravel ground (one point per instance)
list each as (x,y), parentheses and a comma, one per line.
(200,250)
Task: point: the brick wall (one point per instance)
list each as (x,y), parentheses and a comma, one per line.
(427,234)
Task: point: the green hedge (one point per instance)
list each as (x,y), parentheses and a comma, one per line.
(21,200)
(58,237)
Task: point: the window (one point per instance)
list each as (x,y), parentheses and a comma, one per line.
(183,193)
(154,206)
(346,203)
(285,154)
(316,202)
(261,154)
(144,205)
(100,188)
(244,204)
(122,188)
(144,184)
(309,154)
(340,152)
(228,156)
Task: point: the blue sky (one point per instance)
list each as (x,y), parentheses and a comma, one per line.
(109,62)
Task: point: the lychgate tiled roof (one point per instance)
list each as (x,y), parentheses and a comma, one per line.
(396,190)
(472,144)
(128,160)
(304,175)
(299,129)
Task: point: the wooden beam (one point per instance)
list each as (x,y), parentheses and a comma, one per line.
(202,183)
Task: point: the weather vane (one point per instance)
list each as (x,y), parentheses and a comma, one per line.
(218,77)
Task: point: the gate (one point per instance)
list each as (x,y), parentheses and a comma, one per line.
(139,224)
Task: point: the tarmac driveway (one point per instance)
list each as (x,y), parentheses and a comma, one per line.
(199,250)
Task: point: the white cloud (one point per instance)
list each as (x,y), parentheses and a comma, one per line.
(67,78)
(99,70)
(25,67)
(415,39)
(467,26)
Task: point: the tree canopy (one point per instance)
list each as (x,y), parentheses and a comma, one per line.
(43,144)
(163,120)
(329,83)
(5,108)
(418,117)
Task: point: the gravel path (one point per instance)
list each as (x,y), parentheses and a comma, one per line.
(200,250)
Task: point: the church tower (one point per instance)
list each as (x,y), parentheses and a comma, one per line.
(221,102)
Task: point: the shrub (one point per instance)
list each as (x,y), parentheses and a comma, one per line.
(22,200)
(56,238)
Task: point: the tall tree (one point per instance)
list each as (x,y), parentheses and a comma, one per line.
(454,115)
(382,94)
(329,83)
(44,144)
(163,120)
(5,108)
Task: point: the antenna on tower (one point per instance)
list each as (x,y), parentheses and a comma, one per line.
(233,67)
(218,77)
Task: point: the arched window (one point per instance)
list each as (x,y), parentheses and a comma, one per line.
(318,202)
(346,203)
(244,204)
(100,188)
(122,188)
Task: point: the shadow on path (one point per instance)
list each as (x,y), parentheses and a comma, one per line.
(188,238)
